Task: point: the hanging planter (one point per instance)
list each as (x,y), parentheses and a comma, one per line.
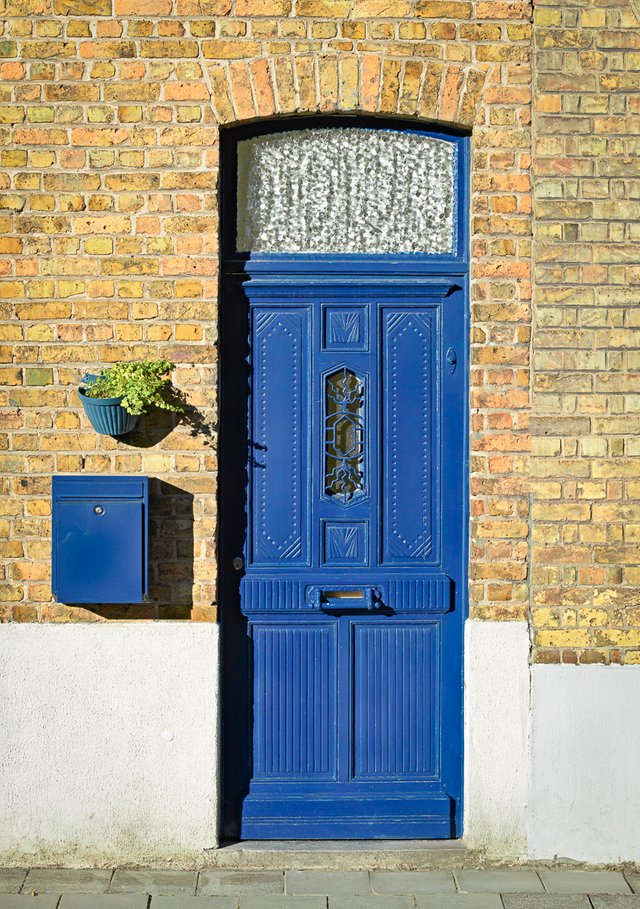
(115,399)
(107,415)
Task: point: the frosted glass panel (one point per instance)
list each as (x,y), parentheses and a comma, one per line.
(346,190)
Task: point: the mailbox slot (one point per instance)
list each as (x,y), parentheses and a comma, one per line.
(100,539)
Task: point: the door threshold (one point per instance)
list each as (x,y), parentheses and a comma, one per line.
(343,855)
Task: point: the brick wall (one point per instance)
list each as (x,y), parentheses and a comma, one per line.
(586,510)
(109,113)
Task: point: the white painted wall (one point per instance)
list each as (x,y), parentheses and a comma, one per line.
(109,747)
(108,743)
(497,721)
(584,800)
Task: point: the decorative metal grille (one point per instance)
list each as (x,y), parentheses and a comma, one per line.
(344,435)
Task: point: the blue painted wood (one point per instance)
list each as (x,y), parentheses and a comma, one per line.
(279,466)
(410,378)
(355,550)
(295,736)
(396,667)
(100,539)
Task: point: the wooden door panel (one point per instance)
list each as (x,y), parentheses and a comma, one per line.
(295,701)
(410,377)
(396,679)
(279,465)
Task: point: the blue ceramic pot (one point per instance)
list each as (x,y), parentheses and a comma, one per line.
(107,415)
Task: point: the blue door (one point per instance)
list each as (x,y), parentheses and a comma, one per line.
(351,577)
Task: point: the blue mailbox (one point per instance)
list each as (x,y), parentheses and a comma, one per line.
(100,539)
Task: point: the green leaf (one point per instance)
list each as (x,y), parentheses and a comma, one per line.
(141,385)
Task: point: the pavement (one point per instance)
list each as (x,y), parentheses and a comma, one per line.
(506,888)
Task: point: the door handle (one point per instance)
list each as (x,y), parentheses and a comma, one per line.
(341,599)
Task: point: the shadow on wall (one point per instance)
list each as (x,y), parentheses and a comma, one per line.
(156,426)
(171,520)
(171,552)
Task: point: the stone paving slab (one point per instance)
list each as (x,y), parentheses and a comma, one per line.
(57,880)
(412,882)
(194,902)
(633,879)
(103,901)
(615,901)
(331,883)
(545,901)
(283,902)
(458,901)
(500,881)
(584,882)
(389,901)
(11,879)
(225,883)
(22,901)
(157,883)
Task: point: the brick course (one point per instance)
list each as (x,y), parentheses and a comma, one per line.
(109,116)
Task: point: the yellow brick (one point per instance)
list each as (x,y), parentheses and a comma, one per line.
(13,158)
(546,617)
(40,114)
(42,158)
(388,9)
(40,333)
(230,50)
(444,9)
(592,617)
(323,9)
(10,333)
(11,114)
(186,332)
(563,637)
(68,420)
(98,246)
(593,18)
(131,113)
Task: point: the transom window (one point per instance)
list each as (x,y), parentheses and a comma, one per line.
(346,190)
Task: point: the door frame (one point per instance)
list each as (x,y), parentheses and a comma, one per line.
(274,270)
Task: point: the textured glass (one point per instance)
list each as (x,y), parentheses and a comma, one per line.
(346,190)
(344,435)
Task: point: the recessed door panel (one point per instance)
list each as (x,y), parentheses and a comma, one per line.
(279,463)
(410,374)
(295,701)
(396,680)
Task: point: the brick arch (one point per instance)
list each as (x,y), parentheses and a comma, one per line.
(244,91)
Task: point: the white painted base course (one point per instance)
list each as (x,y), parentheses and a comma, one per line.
(108,743)
(109,748)
(584,800)
(496,737)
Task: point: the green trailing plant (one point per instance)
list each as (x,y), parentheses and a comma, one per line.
(141,385)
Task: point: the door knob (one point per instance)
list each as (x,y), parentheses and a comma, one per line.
(238,563)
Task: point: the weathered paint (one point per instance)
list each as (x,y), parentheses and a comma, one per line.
(497,719)
(585,786)
(108,743)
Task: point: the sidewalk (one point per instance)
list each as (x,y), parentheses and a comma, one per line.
(464,889)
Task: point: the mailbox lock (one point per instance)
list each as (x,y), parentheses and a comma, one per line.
(98,509)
